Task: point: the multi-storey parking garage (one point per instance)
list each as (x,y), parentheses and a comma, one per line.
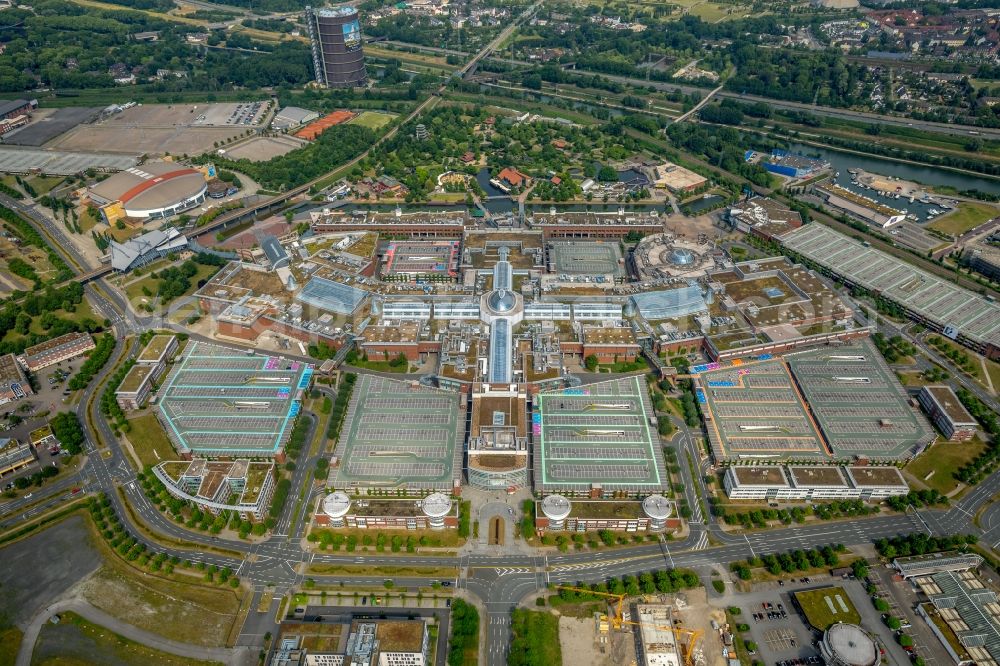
(835,403)
(219,401)
(598,439)
(400,435)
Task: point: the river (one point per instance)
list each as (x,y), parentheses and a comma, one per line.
(925,175)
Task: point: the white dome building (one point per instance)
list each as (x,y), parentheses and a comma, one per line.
(436,506)
(848,645)
(336,505)
(556,508)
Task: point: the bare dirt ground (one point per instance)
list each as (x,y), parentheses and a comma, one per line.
(578,640)
(199,621)
(262,149)
(696,613)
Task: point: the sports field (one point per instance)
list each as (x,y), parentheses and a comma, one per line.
(219,401)
(372,119)
(400,435)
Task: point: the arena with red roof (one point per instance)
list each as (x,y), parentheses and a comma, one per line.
(152,190)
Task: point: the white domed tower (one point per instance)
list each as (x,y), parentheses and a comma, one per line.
(658,509)
(436,506)
(556,508)
(336,505)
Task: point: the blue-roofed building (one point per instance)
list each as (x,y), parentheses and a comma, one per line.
(332,296)
(670,304)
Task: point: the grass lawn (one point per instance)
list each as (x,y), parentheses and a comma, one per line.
(87,220)
(994,369)
(827,606)
(10,643)
(149,441)
(76,641)
(941,461)
(388,571)
(371,119)
(968,216)
(452,197)
(44,184)
(191,613)
(536,634)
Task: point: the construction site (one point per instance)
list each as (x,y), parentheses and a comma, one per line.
(679,629)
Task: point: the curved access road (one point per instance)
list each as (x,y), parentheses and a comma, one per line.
(232,657)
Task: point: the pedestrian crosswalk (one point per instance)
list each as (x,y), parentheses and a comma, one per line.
(702,542)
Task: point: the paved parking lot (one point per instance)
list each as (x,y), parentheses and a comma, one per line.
(786,638)
(901,597)
(778,638)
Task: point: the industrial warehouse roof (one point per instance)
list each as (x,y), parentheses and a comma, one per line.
(934,298)
(8,106)
(970,610)
(671,303)
(151,186)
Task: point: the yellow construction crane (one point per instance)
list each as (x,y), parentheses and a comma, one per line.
(617,621)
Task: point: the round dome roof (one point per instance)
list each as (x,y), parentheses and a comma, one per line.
(556,507)
(336,504)
(849,644)
(502,301)
(678,256)
(657,507)
(436,505)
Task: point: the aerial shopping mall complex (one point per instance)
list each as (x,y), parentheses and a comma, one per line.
(488,333)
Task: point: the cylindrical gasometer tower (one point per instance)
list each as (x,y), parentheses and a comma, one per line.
(335,36)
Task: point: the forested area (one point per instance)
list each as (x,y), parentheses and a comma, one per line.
(825,77)
(333,147)
(21,321)
(63,45)
(723,147)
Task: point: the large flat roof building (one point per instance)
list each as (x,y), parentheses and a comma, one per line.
(224,402)
(216,486)
(597,440)
(820,482)
(948,413)
(153,190)
(55,351)
(934,301)
(400,435)
(14,455)
(14,384)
